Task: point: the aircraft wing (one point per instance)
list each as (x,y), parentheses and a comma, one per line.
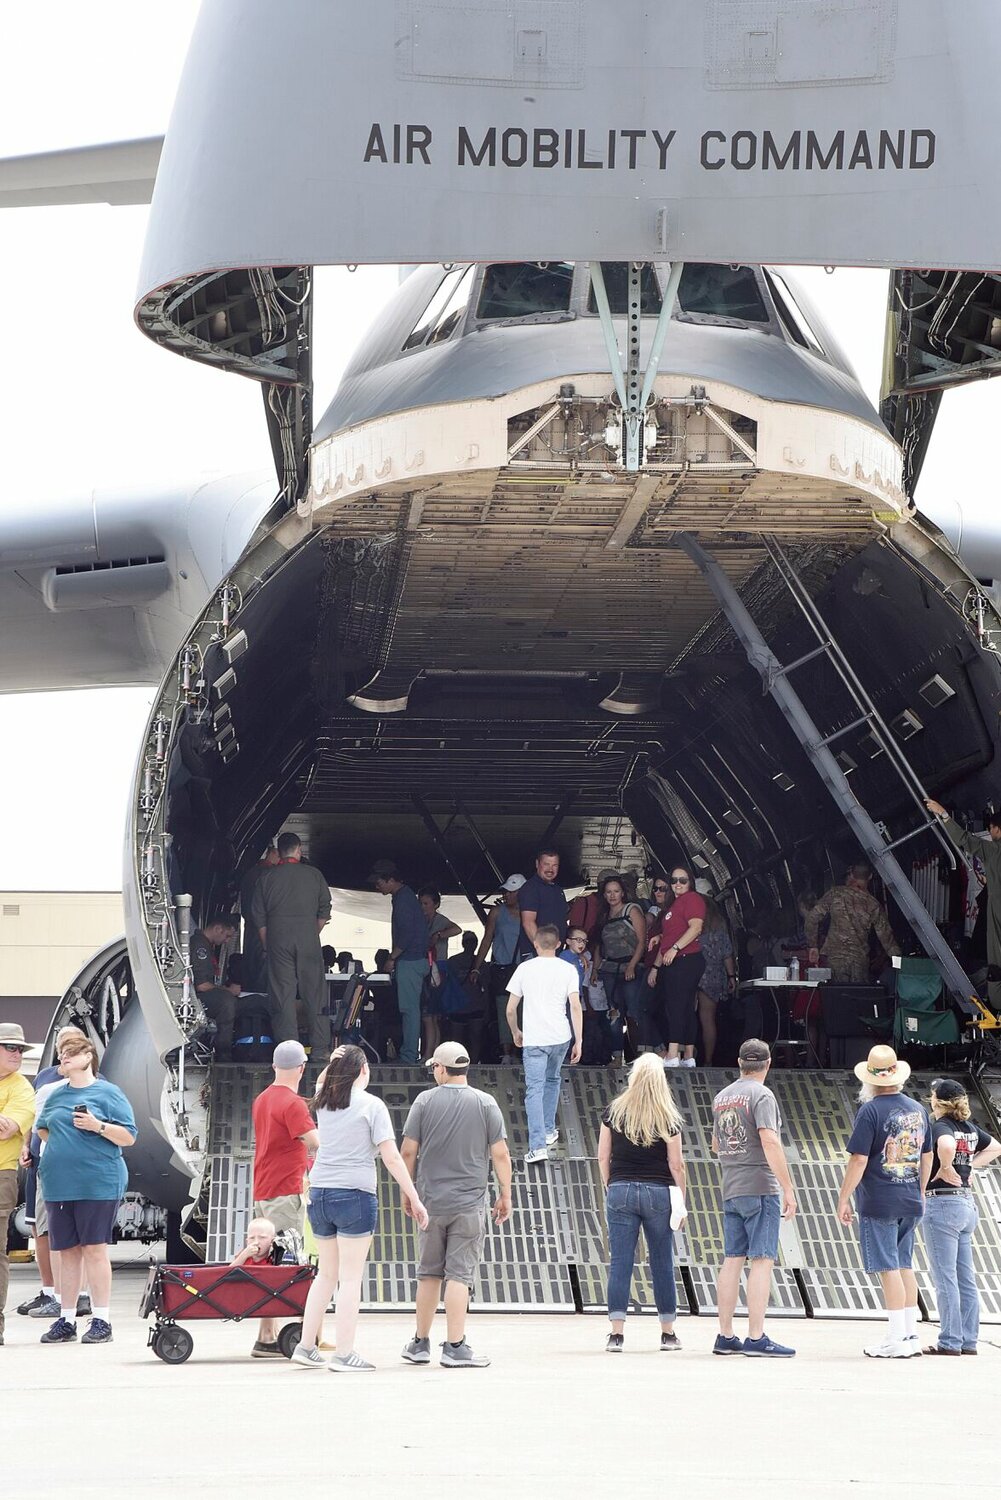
(115,172)
(98,589)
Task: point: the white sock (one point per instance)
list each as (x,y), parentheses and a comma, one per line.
(68,1314)
(104,1313)
(48,1291)
(898,1325)
(911,1322)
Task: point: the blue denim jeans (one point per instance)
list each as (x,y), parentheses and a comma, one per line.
(629,1207)
(409,982)
(542,1090)
(948,1226)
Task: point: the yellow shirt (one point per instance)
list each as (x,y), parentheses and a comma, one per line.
(17,1102)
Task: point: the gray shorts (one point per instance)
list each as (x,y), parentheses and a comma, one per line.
(451,1246)
(41,1216)
(285,1213)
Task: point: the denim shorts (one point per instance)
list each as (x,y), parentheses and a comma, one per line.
(887,1244)
(751,1226)
(346,1211)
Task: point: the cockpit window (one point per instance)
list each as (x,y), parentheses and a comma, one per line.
(722,292)
(791,315)
(437,308)
(616,274)
(526,289)
(448,318)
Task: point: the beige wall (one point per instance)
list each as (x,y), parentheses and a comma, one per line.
(47,936)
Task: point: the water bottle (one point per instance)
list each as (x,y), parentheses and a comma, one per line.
(794,969)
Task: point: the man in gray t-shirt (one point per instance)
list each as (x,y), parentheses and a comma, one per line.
(757,1194)
(452,1137)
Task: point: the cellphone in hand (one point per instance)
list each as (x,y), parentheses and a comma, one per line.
(79,1109)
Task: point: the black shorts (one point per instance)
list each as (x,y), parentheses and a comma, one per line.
(83,1221)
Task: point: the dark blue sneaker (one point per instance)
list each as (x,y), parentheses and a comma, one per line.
(61,1332)
(766,1348)
(99,1332)
(727,1344)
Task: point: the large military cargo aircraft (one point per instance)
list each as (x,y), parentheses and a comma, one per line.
(611,553)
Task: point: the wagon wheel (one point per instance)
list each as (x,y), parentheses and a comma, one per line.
(289,1336)
(172,1344)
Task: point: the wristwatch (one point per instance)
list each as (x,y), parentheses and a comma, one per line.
(103,1124)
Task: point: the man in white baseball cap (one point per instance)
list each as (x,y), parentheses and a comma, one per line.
(453,1136)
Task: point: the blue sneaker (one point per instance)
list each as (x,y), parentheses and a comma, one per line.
(727,1344)
(61,1332)
(766,1348)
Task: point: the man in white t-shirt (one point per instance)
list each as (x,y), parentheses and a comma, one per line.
(544,985)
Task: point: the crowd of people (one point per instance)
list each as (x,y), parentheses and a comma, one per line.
(600,979)
(656,971)
(908,1167)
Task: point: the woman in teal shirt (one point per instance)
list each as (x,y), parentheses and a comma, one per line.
(84,1126)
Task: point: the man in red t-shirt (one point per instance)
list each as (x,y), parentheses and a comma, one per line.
(285,1136)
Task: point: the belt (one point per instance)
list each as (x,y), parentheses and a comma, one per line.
(947,1192)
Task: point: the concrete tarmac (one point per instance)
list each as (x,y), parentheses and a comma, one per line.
(554,1416)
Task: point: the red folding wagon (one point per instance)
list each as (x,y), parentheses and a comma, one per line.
(176,1294)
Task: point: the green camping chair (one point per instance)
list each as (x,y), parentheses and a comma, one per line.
(923,1017)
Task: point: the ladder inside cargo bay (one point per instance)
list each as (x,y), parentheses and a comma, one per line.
(776,678)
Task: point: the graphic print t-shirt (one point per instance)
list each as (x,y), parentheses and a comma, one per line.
(739,1112)
(969,1140)
(893,1132)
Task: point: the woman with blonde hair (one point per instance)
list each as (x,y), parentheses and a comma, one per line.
(639,1156)
(950,1216)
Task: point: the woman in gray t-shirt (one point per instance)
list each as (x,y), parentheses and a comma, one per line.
(354,1126)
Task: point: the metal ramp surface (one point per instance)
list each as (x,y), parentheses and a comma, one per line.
(552,1255)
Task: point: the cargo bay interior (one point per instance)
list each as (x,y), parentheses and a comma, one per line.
(638,705)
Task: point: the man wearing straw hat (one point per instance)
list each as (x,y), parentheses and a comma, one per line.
(890,1162)
(17,1112)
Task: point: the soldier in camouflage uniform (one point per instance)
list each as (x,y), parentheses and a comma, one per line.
(853,914)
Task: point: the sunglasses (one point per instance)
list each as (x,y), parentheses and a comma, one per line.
(12,1047)
(660,890)
(679,880)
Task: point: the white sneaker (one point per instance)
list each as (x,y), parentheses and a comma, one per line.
(351,1364)
(311,1358)
(672,1062)
(552,1137)
(531,1157)
(892,1349)
(688,1062)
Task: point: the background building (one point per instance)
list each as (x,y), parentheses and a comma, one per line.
(45,937)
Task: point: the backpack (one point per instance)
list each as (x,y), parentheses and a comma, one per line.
(618,939)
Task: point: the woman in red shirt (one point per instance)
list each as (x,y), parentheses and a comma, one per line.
(675,973)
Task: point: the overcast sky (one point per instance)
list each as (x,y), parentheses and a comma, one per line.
(87,400)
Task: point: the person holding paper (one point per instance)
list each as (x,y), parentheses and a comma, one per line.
(642,1168)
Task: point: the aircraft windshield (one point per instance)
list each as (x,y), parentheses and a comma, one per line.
(791,314)
(526,289)
(444,308)
(616,273)
(722,292)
